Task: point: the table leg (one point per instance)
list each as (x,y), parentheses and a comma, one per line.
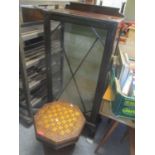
(107,135)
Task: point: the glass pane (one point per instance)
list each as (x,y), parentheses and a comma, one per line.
(79,60)
(77,42)
(87,76)
(70,94)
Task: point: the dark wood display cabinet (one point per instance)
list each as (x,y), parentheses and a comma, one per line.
(89,36)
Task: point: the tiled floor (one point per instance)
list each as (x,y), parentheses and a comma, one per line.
(30,146)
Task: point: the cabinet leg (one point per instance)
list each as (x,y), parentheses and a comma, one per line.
(107,135)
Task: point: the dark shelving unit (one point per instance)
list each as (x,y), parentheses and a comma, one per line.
(33,70)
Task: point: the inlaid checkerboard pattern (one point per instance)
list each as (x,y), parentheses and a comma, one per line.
(59,121)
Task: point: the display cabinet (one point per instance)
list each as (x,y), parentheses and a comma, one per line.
(89,36)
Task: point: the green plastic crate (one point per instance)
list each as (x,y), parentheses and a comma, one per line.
(122,105)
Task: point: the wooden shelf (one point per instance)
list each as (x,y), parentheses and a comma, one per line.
(106,110)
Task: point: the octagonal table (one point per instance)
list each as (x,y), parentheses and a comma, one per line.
(59,123)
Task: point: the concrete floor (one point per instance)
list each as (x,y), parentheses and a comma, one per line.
(30,146)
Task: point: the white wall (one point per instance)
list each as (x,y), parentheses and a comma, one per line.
(130,10)
(129,7)
(111,3)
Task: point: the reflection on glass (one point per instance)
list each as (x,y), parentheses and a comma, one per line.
(77,42)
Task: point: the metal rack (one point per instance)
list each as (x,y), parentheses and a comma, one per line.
(33,70)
